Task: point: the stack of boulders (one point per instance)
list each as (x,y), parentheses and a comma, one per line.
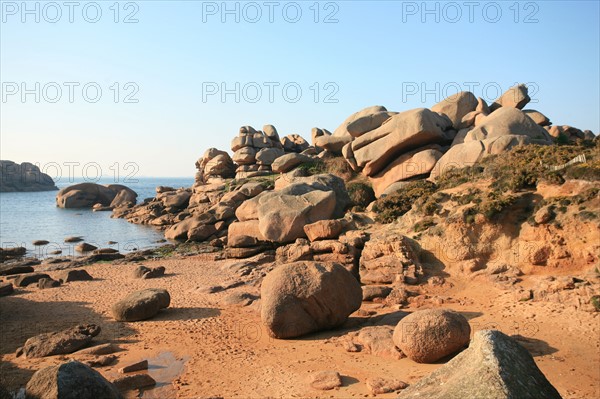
(389,262)
(207,203)
(279,216)
(214,164)
(493,130)
(390,147)
(166,208)
(254,151)
(569,133)
(212,222)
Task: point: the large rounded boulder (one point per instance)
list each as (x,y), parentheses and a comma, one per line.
(304,297)
(426,336)
(141,305)
(71,380)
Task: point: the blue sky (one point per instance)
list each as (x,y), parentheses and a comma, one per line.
(179,53)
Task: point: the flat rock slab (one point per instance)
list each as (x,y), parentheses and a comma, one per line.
(134,381)
(137,366)
(15,268)
(326,380)
(102,349)
(59,343)
(379,386)
(98,361)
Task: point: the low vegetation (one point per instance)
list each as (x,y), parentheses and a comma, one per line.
(361,194)
(391,207)
(519,170)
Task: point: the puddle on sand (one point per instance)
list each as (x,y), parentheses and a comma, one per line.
(164,368)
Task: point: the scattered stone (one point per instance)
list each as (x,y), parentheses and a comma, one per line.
(40,242)
(544,215)
(326,380)
(106,251)
(60,343)
(239,299)
(73,239)
(47,283)
(85,247)
(133,381)
(55,252)
(30,278)
(323,229)
(523,295)
(98,361)
(494,366)
(66,276)
(539,256)
(146,272)
(379,386)
(304,297)
(426,336)
(371,292)
(69,381)
(11,253)
(378,341)
(6,289)
(137,366)
(210,289)
(15,268)
(102,349)
(141,305)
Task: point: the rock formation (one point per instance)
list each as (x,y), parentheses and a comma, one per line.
(24,177)
(86,195)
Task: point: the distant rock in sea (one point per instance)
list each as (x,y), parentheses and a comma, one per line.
(24,177)
(88,195)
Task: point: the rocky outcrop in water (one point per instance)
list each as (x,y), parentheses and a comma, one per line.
(24,177)
(87,195)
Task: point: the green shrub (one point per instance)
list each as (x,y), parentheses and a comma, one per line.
(361,194)
(423,225)
(495,204)
(523,167)
(595,300)
(391,207)
(315,167)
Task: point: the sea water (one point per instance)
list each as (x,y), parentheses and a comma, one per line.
(29,216)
